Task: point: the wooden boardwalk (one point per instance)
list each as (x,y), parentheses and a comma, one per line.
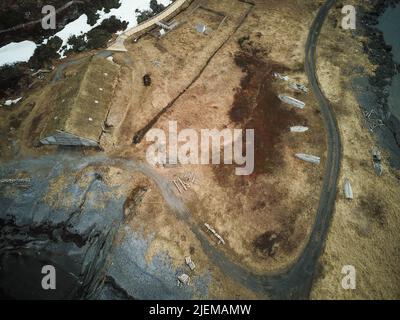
(118,45)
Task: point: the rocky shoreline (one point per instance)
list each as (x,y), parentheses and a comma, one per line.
(380,54)
(80,229)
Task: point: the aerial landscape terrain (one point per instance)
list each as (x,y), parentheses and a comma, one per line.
(200,149)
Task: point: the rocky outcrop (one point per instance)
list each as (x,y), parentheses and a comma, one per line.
(381,55)
(75,237)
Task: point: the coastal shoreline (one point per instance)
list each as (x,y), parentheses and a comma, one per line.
(363,231)
(373,91)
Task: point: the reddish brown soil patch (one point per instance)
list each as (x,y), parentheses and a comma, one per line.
(257,107)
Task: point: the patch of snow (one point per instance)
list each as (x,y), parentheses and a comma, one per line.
(11,102)
(74,28)
(17,52)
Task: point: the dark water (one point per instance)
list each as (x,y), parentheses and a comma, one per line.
(389,24)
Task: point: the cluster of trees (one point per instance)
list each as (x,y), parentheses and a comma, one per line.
(97,37)
(91,8)
(155,8)
(10,75)
(14,13)
(94,39)
(45,53)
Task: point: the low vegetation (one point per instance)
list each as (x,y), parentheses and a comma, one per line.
(10,76)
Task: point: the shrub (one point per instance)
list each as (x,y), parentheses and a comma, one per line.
(155,7)
(97,38)
(77,44)
(112,25)
(90,8)
(10,75)
(242,40)
(144,15)
(45,53)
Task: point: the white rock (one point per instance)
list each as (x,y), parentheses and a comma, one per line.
(190,263)
(184,278)
(298,129)
(11,102)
